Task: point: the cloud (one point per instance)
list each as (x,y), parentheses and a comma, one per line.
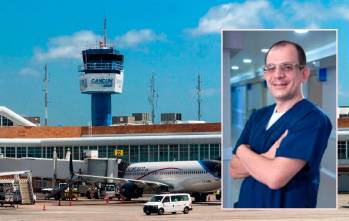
(29,72)
(209,92)
(134,38)
(67,46)
(315,12)
(262,14)
(70,46)
(233,15)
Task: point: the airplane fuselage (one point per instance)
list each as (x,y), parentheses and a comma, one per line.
(181,176)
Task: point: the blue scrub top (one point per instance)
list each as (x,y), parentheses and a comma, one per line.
(308,132)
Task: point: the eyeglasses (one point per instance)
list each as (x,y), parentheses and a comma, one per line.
(284,67)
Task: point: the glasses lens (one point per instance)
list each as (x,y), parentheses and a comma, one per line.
(287,67)
(269,68)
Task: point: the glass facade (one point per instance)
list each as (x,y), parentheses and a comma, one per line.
(111,151)
(153,153)
(59,151)
(163,152)
(21,152)
(49,152)
(343,150)
(34,152)
(173,152)
(204,152)
(10,152)
(5,122)
(215,152)
(92,147)
(135,153)
(43,151)
(76,151)
(143,153)
(82,152)
(102,152)
(183,152)
(194,151)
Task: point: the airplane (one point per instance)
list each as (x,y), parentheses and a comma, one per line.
(196,177)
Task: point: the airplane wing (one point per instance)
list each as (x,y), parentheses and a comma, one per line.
(117,180)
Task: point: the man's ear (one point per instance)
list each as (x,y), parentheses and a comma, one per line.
(305,73)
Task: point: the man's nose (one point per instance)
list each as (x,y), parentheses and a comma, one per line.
(279,73)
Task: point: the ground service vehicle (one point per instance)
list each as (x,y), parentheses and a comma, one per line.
(168,203)
(101,191)
(9,193)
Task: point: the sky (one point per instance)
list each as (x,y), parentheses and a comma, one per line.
(174,39)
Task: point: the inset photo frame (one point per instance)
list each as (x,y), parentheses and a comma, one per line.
(279,102)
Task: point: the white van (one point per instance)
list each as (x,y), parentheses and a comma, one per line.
(168,203)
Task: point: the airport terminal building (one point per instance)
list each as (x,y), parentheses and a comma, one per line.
(19,138)
(139,143)
(343,154)
(24,146)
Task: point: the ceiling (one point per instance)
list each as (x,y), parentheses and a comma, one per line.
(248,44)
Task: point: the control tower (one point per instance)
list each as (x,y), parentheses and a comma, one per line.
(102,75)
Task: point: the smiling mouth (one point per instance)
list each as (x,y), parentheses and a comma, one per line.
(281,84)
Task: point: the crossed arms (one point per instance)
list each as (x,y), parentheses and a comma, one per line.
(275,172)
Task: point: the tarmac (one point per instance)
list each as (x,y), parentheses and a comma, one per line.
(92,210)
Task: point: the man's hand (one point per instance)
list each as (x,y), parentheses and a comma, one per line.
(270,154)
(275,172)
(237,170)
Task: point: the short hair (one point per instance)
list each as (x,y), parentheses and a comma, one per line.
(300,51)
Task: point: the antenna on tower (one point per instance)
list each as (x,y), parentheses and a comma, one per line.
(105,31)
(46,94)
(198,93)
(153,97)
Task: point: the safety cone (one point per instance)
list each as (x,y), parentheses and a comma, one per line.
(44,207)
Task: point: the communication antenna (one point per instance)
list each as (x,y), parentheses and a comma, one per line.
(198,93)
(46,94)
(105,32)
(153,97)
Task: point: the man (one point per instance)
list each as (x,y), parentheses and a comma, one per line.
(280,149)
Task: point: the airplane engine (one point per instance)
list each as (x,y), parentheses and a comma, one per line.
(130,190)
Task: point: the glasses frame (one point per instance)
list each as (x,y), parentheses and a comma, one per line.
(282,67)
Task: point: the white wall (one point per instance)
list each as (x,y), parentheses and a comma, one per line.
(226,129)
(40,167)
(327,190)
